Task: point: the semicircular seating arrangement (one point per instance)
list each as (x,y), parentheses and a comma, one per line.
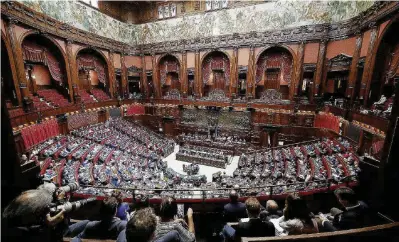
(122,154)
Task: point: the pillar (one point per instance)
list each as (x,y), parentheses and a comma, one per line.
(197,75)
(124,76)
(183,74)
(319,68)
(143,78)
(19,65)
(250,75)
(353,69)
(234,73)
(155,76)
(369,66)
(111,76)
(74,76)
(298,71)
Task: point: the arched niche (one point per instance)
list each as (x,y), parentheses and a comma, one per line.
(215,71)
(8,85)
(45,64)
(93,73)
(169,76)
(274,70)
(386,68)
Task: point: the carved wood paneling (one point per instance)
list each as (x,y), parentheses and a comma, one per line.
(319,67)
(155,77)
(183,74)
(298,71)
(143,78)
(7,44)
(368,66)
(354,68)
(234,72)
(18,58)
(251,73)
(197,73)
(73,69)
(124,75)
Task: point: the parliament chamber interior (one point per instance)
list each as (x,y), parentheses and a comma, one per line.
(213,120)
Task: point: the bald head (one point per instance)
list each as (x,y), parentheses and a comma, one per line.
(233,196)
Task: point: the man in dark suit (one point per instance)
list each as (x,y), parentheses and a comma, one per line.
(234,210)
(355,215)
(108,227)
(254,227)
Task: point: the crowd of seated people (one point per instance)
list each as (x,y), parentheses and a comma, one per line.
(203,155)
(306,163)
(222,141)
(120,153)
(100,95)
(54,97)
(296,218)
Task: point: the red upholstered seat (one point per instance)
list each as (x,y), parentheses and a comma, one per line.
(55,98)
(85,97)
(100,95)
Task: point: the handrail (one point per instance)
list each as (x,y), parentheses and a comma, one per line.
(324,234)
(327,181)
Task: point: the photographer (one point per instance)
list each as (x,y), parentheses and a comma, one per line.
(27,218)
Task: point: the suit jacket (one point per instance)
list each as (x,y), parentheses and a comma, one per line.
(255,228)
(353,218)
(234,211)
(102,229)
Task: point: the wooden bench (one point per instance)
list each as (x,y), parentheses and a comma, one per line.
(380,233)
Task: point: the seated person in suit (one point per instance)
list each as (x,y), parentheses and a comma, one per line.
(251,227)
(355,214)
(141,227)
(108,227)
(234,210)
(254,227)
(272,211)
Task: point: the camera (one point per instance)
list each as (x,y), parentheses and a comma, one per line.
(71,206)
(71,187)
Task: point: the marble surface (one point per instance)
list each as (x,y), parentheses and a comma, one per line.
(270,15)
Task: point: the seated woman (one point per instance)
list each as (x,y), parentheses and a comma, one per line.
(296,218)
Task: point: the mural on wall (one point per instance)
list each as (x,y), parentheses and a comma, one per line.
(261,17)
(86,18)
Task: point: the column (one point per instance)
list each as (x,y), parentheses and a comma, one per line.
(73,73)
(234,73)
(183,74)
(197,75)
(144,84)
(353,71)
(319,67)
(123,76)
(19,64)
(369,65)
(111,75)
(298,71)
(155,78)
(250,75)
